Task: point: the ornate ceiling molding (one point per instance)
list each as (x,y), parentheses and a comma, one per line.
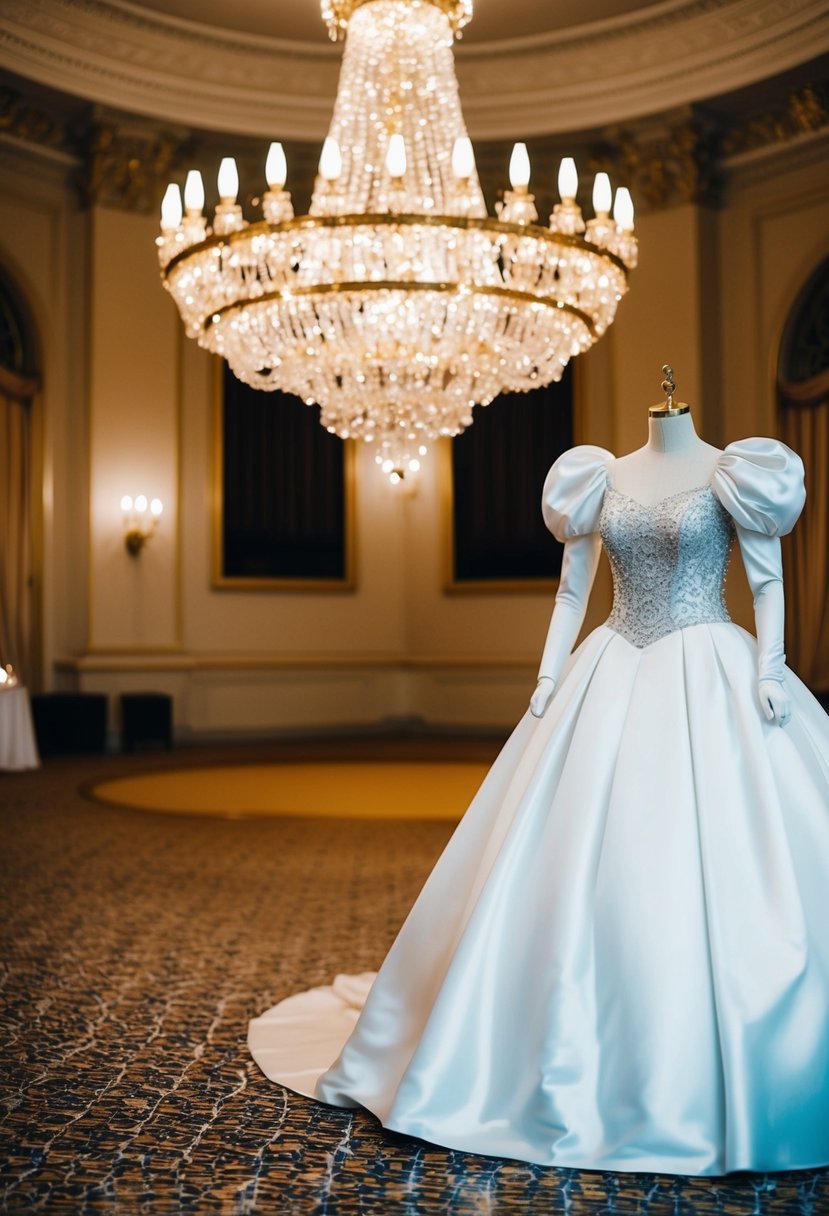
(119,56)
(615,71)
(669,54)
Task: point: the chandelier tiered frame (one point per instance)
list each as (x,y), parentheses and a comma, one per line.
(397,303)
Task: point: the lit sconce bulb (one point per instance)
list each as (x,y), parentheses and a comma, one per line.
(519,167)
(331,161)
(137,527)
(276,167)
(228,180)
(602,194)
(568,179)
(194,193)
(463,158)
(396,155)
(171,208)
(623,209)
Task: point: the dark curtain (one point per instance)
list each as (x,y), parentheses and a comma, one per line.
(498,470)
(284,491)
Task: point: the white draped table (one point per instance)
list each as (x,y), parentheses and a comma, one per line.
(17,736)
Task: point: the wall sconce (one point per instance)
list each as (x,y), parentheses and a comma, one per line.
(404,470)
(140,521)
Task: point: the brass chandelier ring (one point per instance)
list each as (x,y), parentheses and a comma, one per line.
(404,286)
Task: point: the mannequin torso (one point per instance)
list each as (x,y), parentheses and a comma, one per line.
(673,460)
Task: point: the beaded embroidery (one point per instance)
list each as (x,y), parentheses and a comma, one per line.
(668,562)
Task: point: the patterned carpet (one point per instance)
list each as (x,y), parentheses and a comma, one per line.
(135,949)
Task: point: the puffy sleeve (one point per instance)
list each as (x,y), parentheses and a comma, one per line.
(574,491)
(760,484)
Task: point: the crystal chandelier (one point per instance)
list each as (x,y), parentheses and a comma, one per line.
(397,303)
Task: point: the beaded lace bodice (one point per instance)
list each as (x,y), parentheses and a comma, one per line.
(668,562)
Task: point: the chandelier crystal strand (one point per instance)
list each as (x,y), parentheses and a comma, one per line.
(397,304)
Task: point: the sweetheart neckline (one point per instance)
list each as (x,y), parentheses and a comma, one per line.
(660,501)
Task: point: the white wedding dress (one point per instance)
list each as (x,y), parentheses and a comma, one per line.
(621,960)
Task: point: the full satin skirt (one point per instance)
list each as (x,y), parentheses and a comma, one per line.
(621,960)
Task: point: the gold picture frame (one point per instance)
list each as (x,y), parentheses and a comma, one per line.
(484,586)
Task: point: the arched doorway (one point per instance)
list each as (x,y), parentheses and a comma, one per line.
(803,402)
(18,386)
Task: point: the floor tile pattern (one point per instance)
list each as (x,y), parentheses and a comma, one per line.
(135,949)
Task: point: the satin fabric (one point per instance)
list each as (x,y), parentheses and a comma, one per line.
(621,960)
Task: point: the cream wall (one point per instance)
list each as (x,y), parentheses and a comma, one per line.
(662,320)
(134,437)
(774,231)
(128,405)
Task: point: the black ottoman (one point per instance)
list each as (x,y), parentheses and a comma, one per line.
(146,717)
(70,722)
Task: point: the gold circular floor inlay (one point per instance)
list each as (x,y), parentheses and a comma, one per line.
(382,789)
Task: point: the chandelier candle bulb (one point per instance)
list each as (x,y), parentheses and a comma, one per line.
(602,194)
(568,180)
(228,217)
(171,211)
(624,244)
(463,158)
(623,209)
(331,161)
(519,168)
(602,231)
(567,218)
(368,304)
(194,193)
(518,206)
(276,167)
(276,201)
(228,180)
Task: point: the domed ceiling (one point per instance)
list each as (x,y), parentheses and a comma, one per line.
(493,20)
(526,68)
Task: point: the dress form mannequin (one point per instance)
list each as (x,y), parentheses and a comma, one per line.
(620,961)
(673,461)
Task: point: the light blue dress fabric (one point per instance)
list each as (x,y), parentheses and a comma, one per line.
(621,960)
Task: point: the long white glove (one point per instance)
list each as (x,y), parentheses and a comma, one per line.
(764,569)
(578,570)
